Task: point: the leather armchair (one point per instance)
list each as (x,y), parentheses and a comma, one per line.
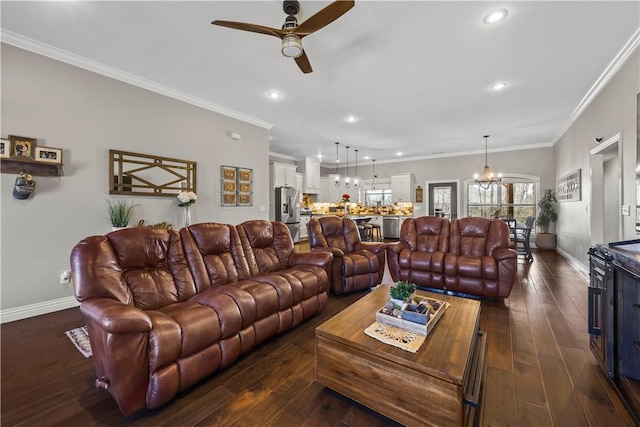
(479,260)
(418,256)
(356,265)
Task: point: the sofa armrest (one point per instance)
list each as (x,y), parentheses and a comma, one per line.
(319,258)
(115,317)
(375,247)
(393,258)
(337,253)
(502,254)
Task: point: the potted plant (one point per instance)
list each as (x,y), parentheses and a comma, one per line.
(401,292)
(120,213)
(546,215)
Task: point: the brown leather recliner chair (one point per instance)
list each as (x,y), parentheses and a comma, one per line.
(479,261)
(356,265)
(418,256)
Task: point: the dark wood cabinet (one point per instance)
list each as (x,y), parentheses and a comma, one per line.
(614,316)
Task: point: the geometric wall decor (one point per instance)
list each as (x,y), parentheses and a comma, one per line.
(135,174)
(568,187)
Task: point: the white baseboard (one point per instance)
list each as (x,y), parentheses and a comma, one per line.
(31,310)
(574,262)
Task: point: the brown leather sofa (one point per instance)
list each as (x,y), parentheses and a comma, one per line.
(356,265)
(164,309)
(467,255)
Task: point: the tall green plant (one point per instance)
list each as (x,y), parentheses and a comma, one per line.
(547,213)
(120,212)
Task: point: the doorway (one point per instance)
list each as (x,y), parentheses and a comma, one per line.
(443,199)
(606,191)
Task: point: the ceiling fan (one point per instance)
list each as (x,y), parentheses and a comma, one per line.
(291,33)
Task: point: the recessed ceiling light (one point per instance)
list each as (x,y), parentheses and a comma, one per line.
(351,119)
(498,86)
(495,16)
(367,158)
(399,153)
(274,94)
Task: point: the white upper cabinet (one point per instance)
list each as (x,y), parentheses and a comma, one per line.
(284,175)
(323,196)
(311,175)
(402,188)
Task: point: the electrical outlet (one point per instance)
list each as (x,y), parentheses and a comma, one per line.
(65,277)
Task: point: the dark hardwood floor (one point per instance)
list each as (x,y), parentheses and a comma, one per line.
(540,370)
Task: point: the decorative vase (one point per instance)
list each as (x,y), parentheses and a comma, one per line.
(187,215)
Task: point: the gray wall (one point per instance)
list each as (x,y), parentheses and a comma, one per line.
(86,114)
(613,111)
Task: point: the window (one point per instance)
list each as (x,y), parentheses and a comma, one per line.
(378,198)
(513,199)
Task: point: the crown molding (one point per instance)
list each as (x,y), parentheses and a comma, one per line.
(601,82)
(49,51)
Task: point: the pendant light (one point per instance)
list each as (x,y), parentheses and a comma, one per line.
(373,174)
(355,179)
(487,178)
(347,182)
(336,180)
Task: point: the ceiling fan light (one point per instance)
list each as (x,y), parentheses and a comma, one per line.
(291,46)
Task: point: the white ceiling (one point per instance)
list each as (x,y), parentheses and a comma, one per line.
(417,75)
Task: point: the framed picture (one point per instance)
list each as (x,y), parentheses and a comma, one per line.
(245,174)
(245,187)
(229,186)
(5,148)
(22,146)
(228,173)
(229,199)
(245,199)
(48,155)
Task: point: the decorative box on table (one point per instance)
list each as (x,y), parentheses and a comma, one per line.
(419,316)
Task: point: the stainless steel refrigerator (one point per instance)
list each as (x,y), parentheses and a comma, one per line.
(287,206)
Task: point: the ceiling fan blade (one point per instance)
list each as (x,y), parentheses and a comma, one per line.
(303,63)
(324,17)
(251,27)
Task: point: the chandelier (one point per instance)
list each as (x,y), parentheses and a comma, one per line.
(347,180)
(487,178)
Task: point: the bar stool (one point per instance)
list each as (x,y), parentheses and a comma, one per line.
(368,232)
(376,233)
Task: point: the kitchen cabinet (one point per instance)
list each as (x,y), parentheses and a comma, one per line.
(284,175)
(299,184)
(323,196)
(311,176)
(304,222)
(402,188)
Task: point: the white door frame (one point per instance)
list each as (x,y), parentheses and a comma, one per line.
(611,146)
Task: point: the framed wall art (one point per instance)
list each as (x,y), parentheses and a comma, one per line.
(236,186)
(568,187)
(5,148)
(48,155)
(22,146)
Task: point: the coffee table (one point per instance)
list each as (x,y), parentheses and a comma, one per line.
(440,385)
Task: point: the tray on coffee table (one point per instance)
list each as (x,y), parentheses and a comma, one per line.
(411,318)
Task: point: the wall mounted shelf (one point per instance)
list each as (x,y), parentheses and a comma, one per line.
(34,167)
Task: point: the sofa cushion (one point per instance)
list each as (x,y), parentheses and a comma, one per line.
(267,245)
(360,262)
(139,266)
(214,254)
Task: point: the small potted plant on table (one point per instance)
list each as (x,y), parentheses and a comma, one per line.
(401,292)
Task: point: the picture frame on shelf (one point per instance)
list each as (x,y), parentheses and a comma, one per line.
(48,155)
(5,148)
(22,147)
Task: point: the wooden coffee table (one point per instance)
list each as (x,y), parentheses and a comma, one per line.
(440,385)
